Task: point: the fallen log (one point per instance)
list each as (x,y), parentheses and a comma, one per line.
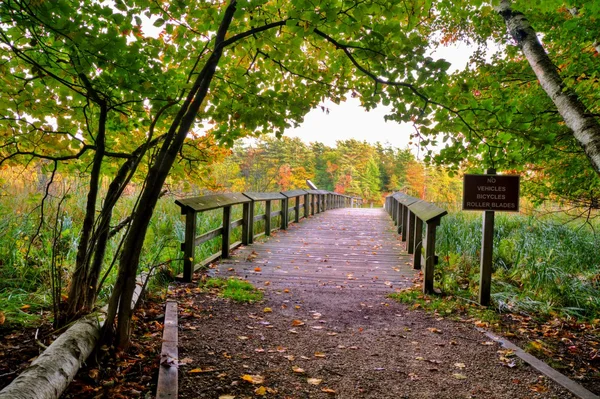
(51,373)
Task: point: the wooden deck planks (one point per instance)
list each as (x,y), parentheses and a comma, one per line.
(343,249)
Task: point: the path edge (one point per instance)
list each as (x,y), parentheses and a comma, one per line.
(561,379)
(167,385)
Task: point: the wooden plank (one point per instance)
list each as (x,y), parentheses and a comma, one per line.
(405,199)
(426,211)
(348,248)
(208,236)
(272,196)
(237,223)
(258,218)
(208,202)
(293,193)
(167,385)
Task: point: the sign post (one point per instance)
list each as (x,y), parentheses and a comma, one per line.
(489,193)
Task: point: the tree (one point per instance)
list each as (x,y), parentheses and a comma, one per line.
(239,67)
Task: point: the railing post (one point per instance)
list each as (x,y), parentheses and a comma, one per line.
(306,205)
(312,204)
(251,222)
(429,256)
(246,222)
(404,222)
(284,214)
(189,246)
(268,217)
(226,232)
(297,209)
(410,245)
(400,215)
(418,243)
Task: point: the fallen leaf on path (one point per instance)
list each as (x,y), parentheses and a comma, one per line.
(200,370)
(435,330)
(260,391)
(298,370)
(253,379)
(186,360)
(328,390)
(413,377)
(459,376)
(293,331)
(290,357)
(320,354)
(2,318)
(460,365)
(332,333)
(297,323)
(267,310)
(314,381)
(227,397)
(243,337)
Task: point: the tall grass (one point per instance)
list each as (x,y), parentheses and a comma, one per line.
(542,267)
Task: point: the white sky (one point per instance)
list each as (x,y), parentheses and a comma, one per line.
(349,121)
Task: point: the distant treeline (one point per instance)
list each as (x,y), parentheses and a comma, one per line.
(351,167)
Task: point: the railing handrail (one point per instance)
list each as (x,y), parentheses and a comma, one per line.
(409,214)
(315,201)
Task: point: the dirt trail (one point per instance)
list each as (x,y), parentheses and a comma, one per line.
(327,329)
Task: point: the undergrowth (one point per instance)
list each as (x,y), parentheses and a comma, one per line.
(542,268)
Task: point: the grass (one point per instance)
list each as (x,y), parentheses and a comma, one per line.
(235,289)
(543,268)
(447,306)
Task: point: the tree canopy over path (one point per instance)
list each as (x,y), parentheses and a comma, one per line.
(84,88)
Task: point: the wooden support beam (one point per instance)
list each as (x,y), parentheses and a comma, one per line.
(297,208)
(429,256)
(267,217)
(189,246)
(251,223)
(306,205)
(225,241)
(284,214)
(410,233)
(246,222)
(418,244)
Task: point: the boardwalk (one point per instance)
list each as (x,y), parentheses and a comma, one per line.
(343,249)
(326,327)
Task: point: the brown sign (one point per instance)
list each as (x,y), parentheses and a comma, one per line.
(491,193)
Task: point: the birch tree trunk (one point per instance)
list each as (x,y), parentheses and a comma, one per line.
(584,126)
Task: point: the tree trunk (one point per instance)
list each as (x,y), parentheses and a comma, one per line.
(128,263)
(79,291)
(584,126)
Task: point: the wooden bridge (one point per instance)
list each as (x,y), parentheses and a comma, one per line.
(326,316)
(343,247)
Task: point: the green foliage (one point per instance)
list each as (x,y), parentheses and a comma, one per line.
(451,306)
(540,267)
(234,289)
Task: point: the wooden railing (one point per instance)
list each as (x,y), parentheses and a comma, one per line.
(305,203)
(409,214)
